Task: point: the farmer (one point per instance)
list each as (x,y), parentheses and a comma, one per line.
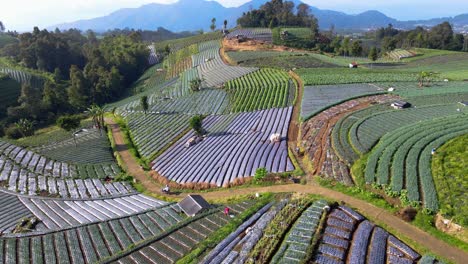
(226,210)
(166,189)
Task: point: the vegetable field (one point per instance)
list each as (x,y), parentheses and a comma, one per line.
(324,76)
(89,243)
(349,238)
(180,241)
(412,89)
(236,145)
(402,158)
(27,172)
(90,146)
(263,89)
(295,246)
(318,98)
(152,132)
(260,34)
(368,130)
(449,170)
(322,144)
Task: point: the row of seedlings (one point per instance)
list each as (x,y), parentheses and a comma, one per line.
(235,152)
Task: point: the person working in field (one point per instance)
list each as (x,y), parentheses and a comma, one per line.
(166,189)
(226,211)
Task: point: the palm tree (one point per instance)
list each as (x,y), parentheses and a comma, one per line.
(97,114)
(26,127)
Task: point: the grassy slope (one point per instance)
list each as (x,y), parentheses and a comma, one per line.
(449,169)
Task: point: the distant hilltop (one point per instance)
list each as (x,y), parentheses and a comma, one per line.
(180,16)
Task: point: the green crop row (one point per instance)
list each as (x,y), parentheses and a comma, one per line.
(403,157)
(365,133)
(322,76)
(262,89)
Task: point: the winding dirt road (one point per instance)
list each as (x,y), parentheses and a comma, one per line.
(374,213)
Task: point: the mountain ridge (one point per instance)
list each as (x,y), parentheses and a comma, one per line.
(180,16)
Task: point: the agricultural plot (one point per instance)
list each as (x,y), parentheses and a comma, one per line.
(154,57)
(402,159)
(291,62)
(179,61)
(259,34)
(325,76)
(89,243)
(323,145)
(263,89)
(178,44)
(179,242)
(412,89)
(449,168)
(205,102)
(152,132)
(227,250)
(90,146)
(10,91)
(292,37)
(296,243)
(215,72)
(367,131)
(29,173)
(318,98)
(57,214)
(11,211)
(42,165)
(235,146)
(349,238)
(207,51)
(243,56)
(400,54)
(23,77)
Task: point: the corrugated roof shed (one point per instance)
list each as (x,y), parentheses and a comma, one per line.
(194,204)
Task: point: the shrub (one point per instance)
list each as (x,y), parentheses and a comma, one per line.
(13,132)
(260,174)
(69,122)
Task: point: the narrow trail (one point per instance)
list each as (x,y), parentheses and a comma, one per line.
(381,215)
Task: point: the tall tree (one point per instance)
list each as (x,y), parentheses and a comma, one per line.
(78,92)
(2,27)
(213,24)
(144,103)
(373,54)
(225,24)
(356,48)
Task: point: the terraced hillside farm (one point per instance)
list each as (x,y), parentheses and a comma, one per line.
(318,98)
(400,54)
(330,76)
(263,89)
(27,172)
(402,159)
(448,170)
(235,146)
(258,34)
(89,146)
(10,90)
(322,144)
(23,77)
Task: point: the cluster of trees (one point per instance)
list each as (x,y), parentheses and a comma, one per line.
(440,36)
(85,71)
(160,34)
(279,13)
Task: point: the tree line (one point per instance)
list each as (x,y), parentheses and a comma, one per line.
(85,71)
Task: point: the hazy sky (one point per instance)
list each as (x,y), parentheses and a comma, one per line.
(24,14)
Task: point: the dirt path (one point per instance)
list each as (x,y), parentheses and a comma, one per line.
(380,215)
(132,166)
